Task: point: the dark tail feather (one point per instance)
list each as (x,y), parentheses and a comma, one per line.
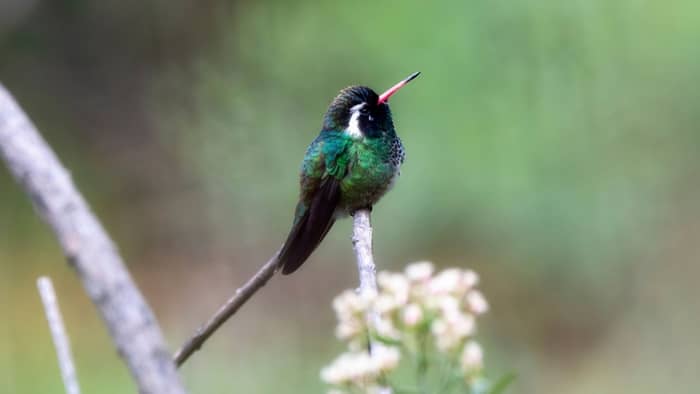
(311,228)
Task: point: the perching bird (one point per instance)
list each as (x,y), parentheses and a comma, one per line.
(349,166)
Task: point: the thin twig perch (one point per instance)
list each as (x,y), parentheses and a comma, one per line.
(362,244)
(89,250)
(227,310)
(58,333)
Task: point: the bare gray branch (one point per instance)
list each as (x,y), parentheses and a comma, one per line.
(89,251)
(58,333)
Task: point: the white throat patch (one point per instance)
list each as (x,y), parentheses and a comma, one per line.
(353,129)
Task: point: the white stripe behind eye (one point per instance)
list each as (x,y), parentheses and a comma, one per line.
(354,124)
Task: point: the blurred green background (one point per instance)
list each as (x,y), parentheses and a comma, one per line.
(552,146)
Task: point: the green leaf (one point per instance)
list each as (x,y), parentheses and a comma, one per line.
(386,340)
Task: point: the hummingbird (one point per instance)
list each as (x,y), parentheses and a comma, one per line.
(352,163)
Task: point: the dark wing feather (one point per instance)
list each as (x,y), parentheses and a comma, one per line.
(310,229)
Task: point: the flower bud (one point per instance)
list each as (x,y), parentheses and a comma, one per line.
(419,272)
(476,302)
(472,359)
(412,314)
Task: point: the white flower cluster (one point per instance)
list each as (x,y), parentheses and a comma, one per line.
(411,309)
(362,370)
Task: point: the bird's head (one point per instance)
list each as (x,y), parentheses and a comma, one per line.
(360,112)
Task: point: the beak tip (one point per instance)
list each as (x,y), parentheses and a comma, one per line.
(412,76)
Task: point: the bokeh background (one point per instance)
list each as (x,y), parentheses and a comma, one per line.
(552,147)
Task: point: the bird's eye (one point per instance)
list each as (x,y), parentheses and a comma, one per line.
(365,112)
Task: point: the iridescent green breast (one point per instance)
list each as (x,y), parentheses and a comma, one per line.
(366,168)
(373,168)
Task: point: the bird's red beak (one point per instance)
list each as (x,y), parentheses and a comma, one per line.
(385,96)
